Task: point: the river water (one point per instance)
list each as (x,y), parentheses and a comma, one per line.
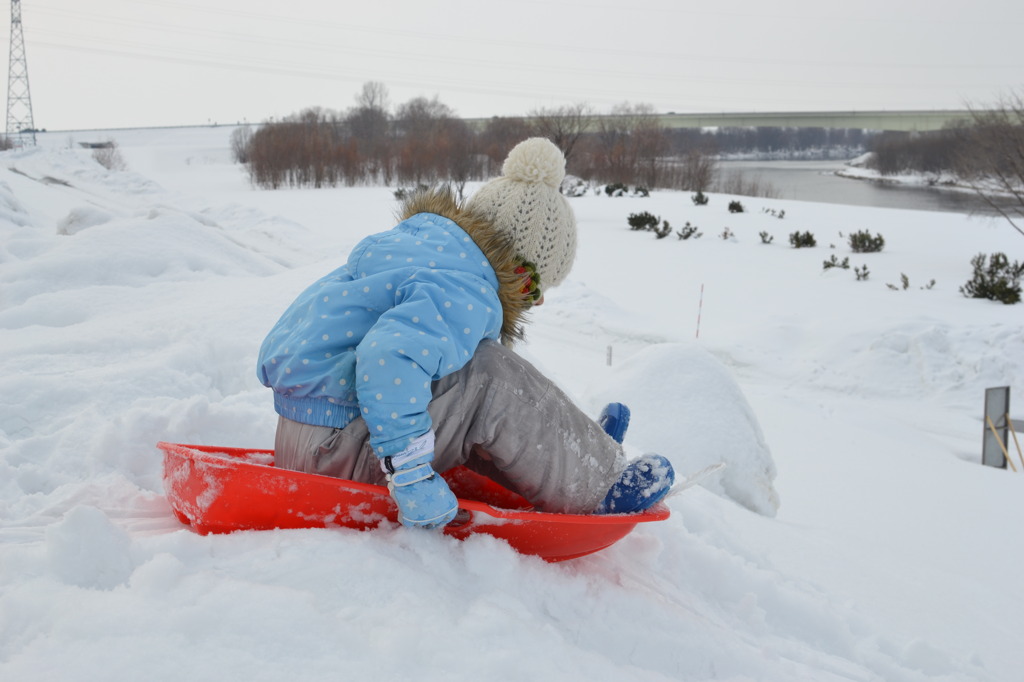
(817,181)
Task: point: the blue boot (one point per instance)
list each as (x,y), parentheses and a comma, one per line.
(644,483)
(614,420)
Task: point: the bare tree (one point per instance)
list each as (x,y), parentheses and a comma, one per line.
(612,158)
(563,125)
(420,126)
(629,145)
(993,159)
(369,126)
(456,147)
(374,95)
(650,143)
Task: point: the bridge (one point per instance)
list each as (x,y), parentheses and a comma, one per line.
(909,121)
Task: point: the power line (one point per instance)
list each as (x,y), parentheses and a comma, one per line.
(458,83)
(477,43)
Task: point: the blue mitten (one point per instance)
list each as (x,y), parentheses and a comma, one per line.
(423,497)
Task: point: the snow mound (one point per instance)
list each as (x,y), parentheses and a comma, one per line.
(11,210)
(919,357)
(86,549)
(76,168)
(82,218)
(159,247)
(686,406)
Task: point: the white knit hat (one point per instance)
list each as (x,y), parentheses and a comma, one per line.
(525,203)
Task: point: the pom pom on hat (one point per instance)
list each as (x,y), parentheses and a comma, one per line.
(535,160)
(525,204)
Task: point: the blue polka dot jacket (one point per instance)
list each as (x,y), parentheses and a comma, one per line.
(409,307)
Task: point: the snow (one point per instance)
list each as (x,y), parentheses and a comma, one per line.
(132,305)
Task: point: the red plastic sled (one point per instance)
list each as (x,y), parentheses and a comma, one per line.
(219,490)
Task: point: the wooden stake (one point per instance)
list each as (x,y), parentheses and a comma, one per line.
(999,440)
(1009,423)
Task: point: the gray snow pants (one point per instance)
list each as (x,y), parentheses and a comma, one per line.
(498,416)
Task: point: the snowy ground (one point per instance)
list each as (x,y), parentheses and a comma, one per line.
(131,308)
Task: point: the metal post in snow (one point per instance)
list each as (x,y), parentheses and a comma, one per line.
(998,426)
(700,308)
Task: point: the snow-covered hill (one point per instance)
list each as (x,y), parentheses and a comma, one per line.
(131,308)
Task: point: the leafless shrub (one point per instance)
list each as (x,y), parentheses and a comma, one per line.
(305,150)
(424,143)
(109,156)
(693,172)
(497,138)
(241,137)
(737,182)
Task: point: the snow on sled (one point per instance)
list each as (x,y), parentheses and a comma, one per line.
(219,490)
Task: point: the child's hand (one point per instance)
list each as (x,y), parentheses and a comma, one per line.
(423,497)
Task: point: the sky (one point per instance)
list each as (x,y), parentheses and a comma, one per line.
(127,63)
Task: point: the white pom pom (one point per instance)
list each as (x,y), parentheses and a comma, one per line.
(535,160)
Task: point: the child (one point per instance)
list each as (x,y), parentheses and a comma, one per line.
(389,368)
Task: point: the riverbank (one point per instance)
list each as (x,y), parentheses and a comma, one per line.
(829,182)
(857,169)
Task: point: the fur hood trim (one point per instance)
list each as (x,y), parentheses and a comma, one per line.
(497,247)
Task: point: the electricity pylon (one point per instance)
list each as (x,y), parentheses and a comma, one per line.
(20,129)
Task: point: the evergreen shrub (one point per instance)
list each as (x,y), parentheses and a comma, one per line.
(801,240)
(863,242)
(999,280)
(643,221)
